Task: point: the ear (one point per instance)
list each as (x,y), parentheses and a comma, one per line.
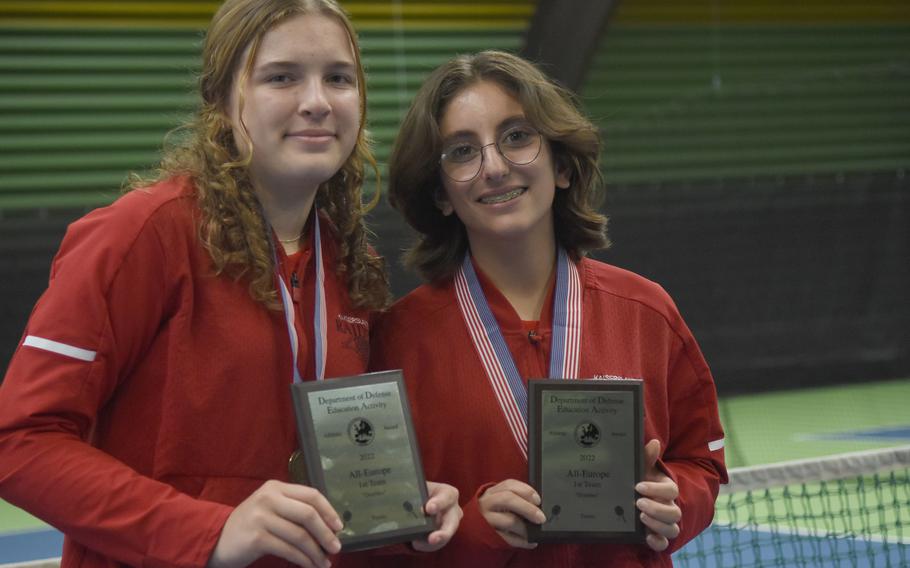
(445,207)
(442,202)
(563,175)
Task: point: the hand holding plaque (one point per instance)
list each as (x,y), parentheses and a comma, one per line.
(359,450)
(585,443)
(658,505)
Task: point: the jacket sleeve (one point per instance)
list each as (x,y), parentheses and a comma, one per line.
(693,456)
(108,296)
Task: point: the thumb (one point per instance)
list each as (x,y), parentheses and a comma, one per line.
(652,452)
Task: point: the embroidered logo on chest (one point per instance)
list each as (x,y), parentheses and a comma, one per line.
(612,377)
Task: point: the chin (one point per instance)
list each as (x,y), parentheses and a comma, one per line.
(315,174)
(505,232)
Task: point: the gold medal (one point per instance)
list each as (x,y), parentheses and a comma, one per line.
(297,468)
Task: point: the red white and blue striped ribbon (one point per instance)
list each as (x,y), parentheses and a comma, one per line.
(566,340)
(319,309)
(493,351)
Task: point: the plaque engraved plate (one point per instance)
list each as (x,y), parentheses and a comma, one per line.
(585,442)
(360,451)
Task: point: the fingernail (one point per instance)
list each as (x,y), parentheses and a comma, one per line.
(337,525)
(536,499)
(639,487)
(541,518)
(335,546)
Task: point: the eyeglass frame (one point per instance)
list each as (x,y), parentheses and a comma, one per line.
(499,150)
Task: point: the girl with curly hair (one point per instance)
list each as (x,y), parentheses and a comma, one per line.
(147,412)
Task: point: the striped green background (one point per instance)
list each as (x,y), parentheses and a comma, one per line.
(684,91)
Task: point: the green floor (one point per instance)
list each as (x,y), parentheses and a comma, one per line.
(13,519)
(785,426)
(761,428)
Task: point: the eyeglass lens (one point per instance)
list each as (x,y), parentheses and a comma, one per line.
(519,145)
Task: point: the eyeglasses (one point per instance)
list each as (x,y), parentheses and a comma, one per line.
(462,161)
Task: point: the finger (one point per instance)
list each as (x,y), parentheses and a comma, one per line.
(508,502)
(434,541)
(424,546)
(657,542)
(519,488)
(517,541)
(501,521)
(666,530)
(511,528)
(652,452)
(300,539)
(663,512)
(509,523)
(308,518)
(441,497)
(446,523)
(664,490)
(517,527)
(317,501)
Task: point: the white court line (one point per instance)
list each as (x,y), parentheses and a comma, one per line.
(809,533)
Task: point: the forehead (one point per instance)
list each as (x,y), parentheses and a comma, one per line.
(306,37)
(480,107)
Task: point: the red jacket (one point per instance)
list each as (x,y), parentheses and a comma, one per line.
(631,328)
(151,396)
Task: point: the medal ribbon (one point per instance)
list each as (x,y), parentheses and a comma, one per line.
(493,351)
(319,310)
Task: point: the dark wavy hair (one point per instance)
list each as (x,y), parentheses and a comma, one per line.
(233,228)
(414,174)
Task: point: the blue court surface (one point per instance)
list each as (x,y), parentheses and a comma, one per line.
(743,548)
(27,546)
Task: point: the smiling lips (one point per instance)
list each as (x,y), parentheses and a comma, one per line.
(312,135)
(502,197)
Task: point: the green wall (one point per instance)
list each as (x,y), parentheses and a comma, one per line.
(712,90)
(89,89)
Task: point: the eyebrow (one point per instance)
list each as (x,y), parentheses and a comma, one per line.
(504,124)
(340,64)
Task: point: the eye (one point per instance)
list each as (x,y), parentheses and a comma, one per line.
(518,137)
(279,79)
(340,79)
(461,152)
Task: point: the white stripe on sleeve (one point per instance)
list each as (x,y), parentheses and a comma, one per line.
(59,348)
(716,445)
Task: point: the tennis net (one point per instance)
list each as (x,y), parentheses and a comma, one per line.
(844,510)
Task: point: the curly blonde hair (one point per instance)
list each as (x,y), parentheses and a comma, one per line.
(233,228)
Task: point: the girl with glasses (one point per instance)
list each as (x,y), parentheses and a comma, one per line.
(497,171)
(147,413)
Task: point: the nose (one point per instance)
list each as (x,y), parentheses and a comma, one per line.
(313,100)
(494,164)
